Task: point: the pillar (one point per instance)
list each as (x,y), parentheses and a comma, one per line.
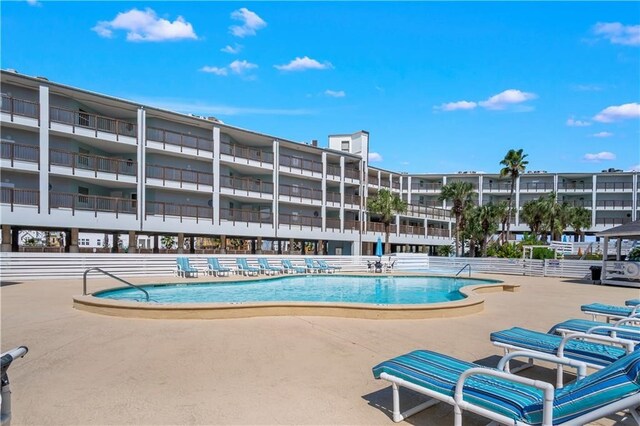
(180,242)
(223,244)
(133,242)
(291,241)
(259,245)
(156,246)
(6,238)
(73,243)
(303,247)
(279,246)
(192,244)
(15,239)
(114,239)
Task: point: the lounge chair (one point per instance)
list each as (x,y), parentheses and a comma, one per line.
(324,266)
(570,347)
(310,266)
(617,329)
(513,400)
(244,267)
(290,269)
(609,311)
(632,302)
(214,267)
(263,263)
(184,269)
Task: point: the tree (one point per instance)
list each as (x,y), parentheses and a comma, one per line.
(502,212)
(580,220)
(488,216)
(514,165)
(534,213)
(459,194)
(386,205)
(167,241)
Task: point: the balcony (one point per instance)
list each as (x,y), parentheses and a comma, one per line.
(612,221)
(300,164)
(428,187)
(411,230)
(376,227)
(19,107)
(438,232)
(395,185)
(614,204)
(497,187)
(18,152)
(92,163)
(614,186)
(430,212)
(20,197)
(245,186)
(295,221)
(350,173)
(247,216)
(333,223)
(578,203)
(180,176)
(183,140)
(180,211)
(292,192)
(352,199)
(536,186)
(96,124)
(264,158)
(575,186)
(94,203)
(351,225)
(333,171)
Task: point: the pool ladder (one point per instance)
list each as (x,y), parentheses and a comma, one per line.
(84,281)
(463,268)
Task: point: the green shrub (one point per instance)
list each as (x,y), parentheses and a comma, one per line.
(543,253)
(531,240)
(444,251)
(593,256)
(507,250)
(634,254)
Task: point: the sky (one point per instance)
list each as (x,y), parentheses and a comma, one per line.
(440,87)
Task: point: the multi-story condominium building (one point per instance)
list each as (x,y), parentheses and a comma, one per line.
(80,162)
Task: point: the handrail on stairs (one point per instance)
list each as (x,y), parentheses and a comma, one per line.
(463,268)
(84,281)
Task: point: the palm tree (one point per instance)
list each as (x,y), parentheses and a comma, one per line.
(580,219)
(488,216)
(386,205)
(502,212)
(514,165)
(459,193)
(534,213)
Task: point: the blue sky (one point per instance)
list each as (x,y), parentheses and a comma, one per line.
(441,87)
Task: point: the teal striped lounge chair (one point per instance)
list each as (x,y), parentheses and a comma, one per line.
(324,266)
(575,346)
(310,266)
(617,329)
(244,268)
(512,400)
(265,268)
(632,302)
(184,269)
(609,311)
(290,269)
(214,267)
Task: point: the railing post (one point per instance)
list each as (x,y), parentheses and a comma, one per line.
(11,107)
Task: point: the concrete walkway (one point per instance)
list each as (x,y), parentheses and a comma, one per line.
(89,369)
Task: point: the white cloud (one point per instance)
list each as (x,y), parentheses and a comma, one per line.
(602,135)
(374,157)
(571,122)
(235,49)
(303,64)
(214,70)
(188,106)
(586,87)
(335,93)
(635,168)
(453,106)
(251,22)
(506,98)
(34,3)
(617,113)
(146,26)
(604,155)
(239,67)
(618,33)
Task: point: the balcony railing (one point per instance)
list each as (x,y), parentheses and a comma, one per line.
(22,107)
(612,204)
(438,232)
(497,186)
(245,152)
(577,203)
(333,223)
(179,139)
(333,170)
(293,191)
(434,212)
(246,184)
(18,152)
(351,225)
(247,216)
(21,197)
(614,186)
(178,175)
(91,121)
(536,186)
(300,163)
(411,230)
(299,221)
(395,184)
(575,186)
(612,221)
(92,203)
(351,199)
(385,183)
(155,208)
(333,197)
(352,173)
(94,163)
(425,186)
(375,227)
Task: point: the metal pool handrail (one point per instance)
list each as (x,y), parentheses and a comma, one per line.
(463,268)
(84,281)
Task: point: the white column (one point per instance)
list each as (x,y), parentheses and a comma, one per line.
(594,196)
(555,183)
(342,194)
(426,222)
(323,209)
(215,196)
(142,162)
(634,198)
(379,178)
(397,225)
(517,200)
(44,150)
(444,202)
(276,185)
(480,189)
(409,189)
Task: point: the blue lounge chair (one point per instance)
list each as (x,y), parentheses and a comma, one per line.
(508,399)
(290,269)
(214,267)
(617,329)
(244,267)
(310,265)
(632,302)
(184,269)
(265,268)
(324,266)
(609,311)
(570,347)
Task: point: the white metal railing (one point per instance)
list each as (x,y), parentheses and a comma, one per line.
(572,247)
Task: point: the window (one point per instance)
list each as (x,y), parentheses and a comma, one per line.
(83,118)
(345,146)
(98,242)
(83,158)
(83,192)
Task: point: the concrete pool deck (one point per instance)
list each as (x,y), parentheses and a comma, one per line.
(84,368)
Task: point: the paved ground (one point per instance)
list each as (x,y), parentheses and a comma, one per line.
(89,369)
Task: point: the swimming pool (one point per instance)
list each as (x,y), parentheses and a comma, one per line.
(377,290)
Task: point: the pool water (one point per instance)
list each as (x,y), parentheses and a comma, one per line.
(307,288)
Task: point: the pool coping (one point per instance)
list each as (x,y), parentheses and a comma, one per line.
(472,303)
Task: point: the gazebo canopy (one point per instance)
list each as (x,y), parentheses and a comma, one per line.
(628,230)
